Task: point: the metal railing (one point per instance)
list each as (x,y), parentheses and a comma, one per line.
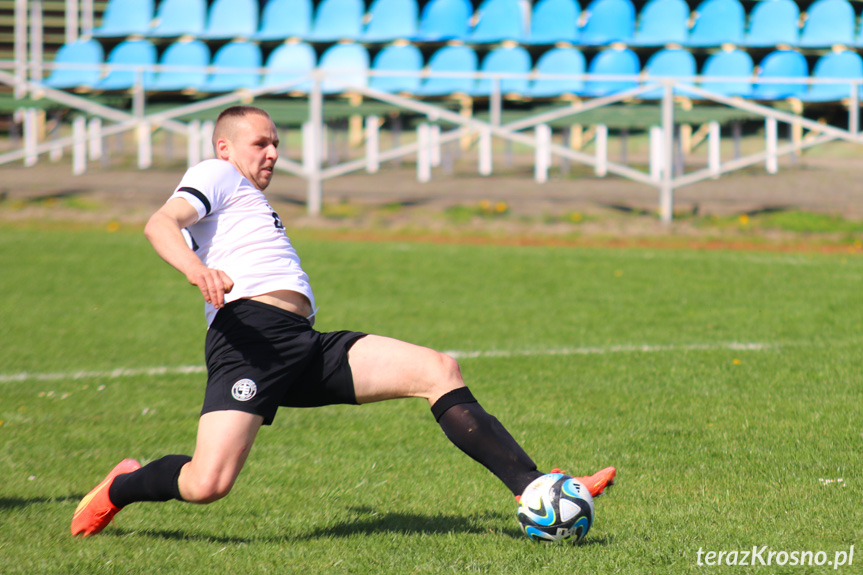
(532,131)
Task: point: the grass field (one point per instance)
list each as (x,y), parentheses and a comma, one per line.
(725,386)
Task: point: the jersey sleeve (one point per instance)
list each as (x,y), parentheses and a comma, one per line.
(207,186)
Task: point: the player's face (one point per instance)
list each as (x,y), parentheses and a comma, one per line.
(253,149)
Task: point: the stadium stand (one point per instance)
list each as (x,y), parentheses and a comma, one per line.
(124,18)
(77,65)
(443,20)
(507,59)
(193,56)
(289,62)
(133,61)
(240,61)
(401,57)
(336,20)
(662,22)
(828,23)
(612,62)
(668,63)
(844,65)
(717,22)
(390,20)
(497,21)
(554,21)
(229,19)
(780,64)
(564,61)
(346,65)
(561,38)
(773,22)
(456,59)
(735,68)
(177,18)
(607,21)
(285,19)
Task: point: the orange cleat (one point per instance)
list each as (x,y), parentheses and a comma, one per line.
(96,511)
(597,482)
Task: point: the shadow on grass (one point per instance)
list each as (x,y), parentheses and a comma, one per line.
(368,521)
(11,503)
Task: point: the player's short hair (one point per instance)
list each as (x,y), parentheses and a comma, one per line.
(240,112)
(228,115)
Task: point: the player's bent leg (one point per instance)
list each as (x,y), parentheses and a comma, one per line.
(386,368)
(224,441)
(96,510)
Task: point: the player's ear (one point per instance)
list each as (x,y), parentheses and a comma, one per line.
(222,149)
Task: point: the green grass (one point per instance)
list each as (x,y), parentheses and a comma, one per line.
(623,357)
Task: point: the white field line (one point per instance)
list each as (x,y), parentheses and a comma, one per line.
(107,374)
(592,350)
(626,348)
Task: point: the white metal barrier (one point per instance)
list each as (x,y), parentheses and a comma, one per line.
(532,131)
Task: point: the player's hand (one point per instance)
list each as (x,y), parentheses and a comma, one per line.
(214,284)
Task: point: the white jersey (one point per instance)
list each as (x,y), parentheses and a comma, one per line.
(239,233)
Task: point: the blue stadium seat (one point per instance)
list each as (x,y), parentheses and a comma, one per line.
(662,22)
(612,61)
(84,58)
(188,54)
(337,20)
(717,22)
(554,21)
(564,61)
(443,20)
(135,59)
(347,65)
(289,62)
(668,63)
(125,18)
(397,58)
(773,22)
(505,60)
(828,22)
(780,64)
(241,61)
(232,19)
(460,59)
(176,18)
(283,19)
(498,20)
(607,21)
(390,20)
(729,64)
(845,64)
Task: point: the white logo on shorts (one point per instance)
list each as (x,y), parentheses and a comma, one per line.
(244,390)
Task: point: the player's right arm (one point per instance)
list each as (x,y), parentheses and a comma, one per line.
(164,230)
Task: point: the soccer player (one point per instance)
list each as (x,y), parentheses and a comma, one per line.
(262,352)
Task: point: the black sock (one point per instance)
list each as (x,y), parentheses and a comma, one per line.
(481,436)
(156,481)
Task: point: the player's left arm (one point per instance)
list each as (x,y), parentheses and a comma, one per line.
(164,230)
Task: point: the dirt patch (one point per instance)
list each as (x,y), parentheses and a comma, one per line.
(573,207)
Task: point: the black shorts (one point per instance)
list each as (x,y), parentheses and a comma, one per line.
(260,357)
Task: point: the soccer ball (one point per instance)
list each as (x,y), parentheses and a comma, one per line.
(556,507)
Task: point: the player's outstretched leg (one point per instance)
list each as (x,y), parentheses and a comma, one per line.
(599,481)
(385,368)
(596,484)
(96,511)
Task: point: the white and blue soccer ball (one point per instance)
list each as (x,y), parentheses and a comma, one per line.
(556,507)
